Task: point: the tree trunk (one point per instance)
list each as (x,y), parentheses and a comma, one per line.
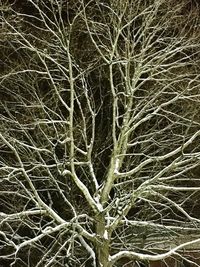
(102,244)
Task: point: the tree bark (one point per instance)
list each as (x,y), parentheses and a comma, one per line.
(102,244)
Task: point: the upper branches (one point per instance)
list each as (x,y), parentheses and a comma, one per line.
(99,112)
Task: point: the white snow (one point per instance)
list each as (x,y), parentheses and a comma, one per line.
(99,206)
(97,200)
(105,235)
(116,166)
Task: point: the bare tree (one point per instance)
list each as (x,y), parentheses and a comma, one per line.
(99,131)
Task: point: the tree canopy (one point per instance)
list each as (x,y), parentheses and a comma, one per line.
(100,131)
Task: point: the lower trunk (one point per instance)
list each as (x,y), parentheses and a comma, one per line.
(102,244)
(102,259)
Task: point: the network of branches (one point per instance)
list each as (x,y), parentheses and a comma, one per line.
(100,131)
